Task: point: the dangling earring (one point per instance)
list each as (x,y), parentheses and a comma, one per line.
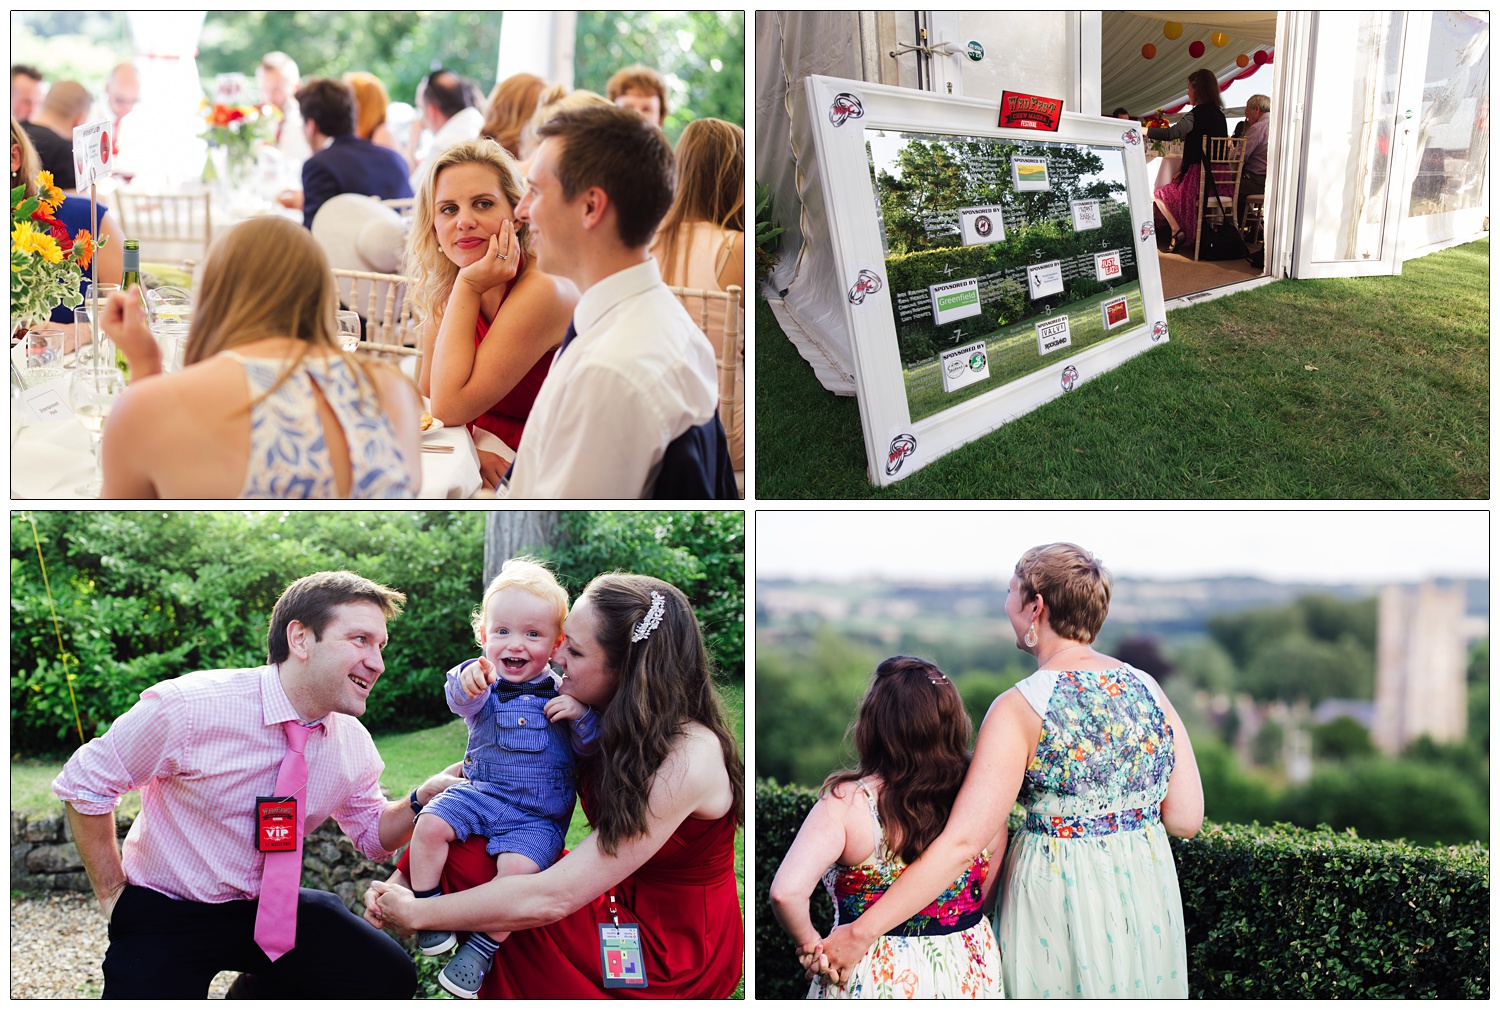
(1030,638)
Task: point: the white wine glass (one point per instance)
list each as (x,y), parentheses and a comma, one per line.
(349,330)
(95,386)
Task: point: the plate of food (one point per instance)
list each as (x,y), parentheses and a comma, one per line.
(430,424)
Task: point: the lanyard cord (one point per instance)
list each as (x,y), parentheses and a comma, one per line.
(56,627)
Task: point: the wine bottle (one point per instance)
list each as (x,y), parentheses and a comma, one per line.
(132,275)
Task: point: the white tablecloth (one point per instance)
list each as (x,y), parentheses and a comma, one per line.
(52,460)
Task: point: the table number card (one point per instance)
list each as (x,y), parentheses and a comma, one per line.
(47,401)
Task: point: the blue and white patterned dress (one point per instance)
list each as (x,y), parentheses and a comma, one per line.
(1089,900)
(289,457)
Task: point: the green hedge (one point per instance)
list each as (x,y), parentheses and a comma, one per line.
(1270,912)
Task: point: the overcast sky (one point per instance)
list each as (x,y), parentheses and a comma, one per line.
(1275,544)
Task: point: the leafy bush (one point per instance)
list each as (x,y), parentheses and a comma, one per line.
(1269,912)
(1285,913)
(145,596)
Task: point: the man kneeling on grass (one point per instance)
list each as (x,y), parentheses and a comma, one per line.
(234,766)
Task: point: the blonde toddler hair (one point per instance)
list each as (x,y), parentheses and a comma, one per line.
(526,573)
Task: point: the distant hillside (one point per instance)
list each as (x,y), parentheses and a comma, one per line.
(1139,606)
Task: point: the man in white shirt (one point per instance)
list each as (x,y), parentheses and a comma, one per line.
(630,408)
(444,109)
(279,79)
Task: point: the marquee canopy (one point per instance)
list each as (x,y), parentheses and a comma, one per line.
(1141,85)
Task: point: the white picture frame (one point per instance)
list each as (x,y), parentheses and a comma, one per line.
(897,443)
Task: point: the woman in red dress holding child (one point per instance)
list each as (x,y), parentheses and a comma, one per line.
(665,795)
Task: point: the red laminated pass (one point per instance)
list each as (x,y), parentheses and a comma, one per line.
(276,823)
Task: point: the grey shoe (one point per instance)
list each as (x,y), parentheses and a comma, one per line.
(436,941)
(464,974)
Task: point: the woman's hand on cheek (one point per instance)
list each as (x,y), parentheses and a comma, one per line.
(499,264)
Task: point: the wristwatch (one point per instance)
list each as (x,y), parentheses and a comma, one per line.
(416,805)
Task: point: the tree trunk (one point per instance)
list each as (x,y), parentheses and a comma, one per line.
(507,534)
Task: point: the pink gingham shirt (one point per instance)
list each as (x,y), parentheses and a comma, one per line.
(200,749)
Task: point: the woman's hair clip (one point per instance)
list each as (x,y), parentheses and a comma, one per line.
(653,618)
(941,678)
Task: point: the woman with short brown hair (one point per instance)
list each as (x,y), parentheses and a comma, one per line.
(1100,760)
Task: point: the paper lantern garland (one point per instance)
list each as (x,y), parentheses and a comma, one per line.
(1196,49)
(1219,39)
(1172,30)
(1148,51)
(1242,61)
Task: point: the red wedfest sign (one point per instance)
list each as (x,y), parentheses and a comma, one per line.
(1029,112)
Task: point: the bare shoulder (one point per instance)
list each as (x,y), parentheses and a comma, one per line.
(543,294)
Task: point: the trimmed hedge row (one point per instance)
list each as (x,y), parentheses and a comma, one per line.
(1271,912)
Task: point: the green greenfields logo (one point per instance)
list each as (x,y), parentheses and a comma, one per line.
(974,51)
(957,300)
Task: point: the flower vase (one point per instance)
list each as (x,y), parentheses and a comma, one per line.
(226,174)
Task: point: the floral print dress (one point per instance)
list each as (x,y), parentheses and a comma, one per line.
(1089,902)
(947,950)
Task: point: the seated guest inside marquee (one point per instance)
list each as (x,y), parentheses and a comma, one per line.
(342,162)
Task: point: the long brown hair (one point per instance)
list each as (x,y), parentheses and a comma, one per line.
(512,104)
(662,683)
(710,187)
(267,278)
(913,733)
(1205,88)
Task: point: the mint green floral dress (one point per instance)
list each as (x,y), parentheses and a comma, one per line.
(1089,904)
(946,950)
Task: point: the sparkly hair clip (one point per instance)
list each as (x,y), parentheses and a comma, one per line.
(941,678)
(653,618)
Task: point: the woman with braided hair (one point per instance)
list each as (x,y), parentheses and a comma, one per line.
(664,793)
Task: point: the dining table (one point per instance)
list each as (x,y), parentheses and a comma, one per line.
(50,455)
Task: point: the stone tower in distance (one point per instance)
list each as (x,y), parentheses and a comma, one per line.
(1419,666)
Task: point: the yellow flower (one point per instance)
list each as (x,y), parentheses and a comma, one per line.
(48,248)
(23,237)
(46,191)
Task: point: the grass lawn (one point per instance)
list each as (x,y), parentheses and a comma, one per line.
(1374,387)
(1012,352)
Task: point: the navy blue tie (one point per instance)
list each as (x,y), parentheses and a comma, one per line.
(567,339)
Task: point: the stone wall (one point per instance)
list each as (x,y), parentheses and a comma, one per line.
(43,858)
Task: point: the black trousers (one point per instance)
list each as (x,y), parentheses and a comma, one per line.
(160,947)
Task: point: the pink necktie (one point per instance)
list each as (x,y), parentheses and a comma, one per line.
(276,918)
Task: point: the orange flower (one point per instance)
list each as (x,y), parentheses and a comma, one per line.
(46,191)
(83,246)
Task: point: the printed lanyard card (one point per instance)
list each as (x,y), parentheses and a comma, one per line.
(275,823)
(620,955)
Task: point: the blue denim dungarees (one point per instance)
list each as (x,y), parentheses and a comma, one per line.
(520,791)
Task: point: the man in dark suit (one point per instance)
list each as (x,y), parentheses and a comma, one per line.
(342,162)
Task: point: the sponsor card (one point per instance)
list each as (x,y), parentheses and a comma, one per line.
(1116,312)
(1029,175)
(1053,334)
(981,225)
(1086,215)
(1044,279)
(1107,266)
(964,366)
(954,300)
